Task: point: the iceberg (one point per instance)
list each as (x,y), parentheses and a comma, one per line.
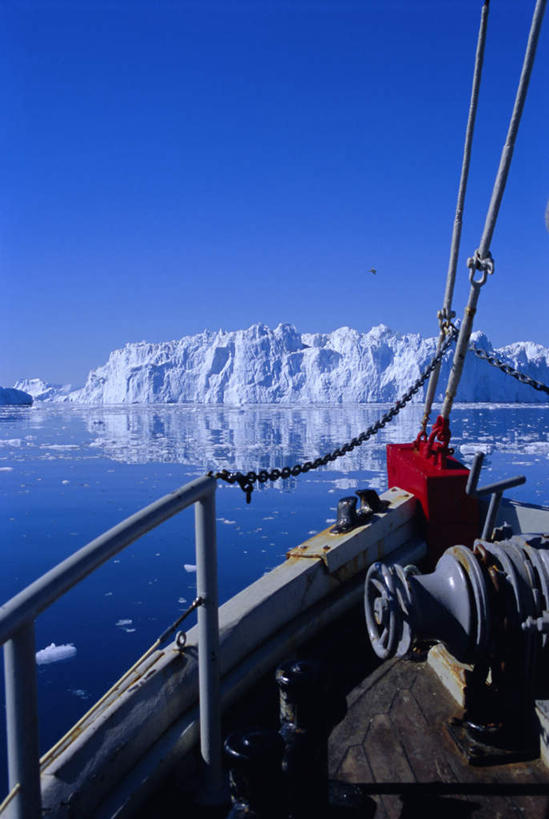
(11,395)
(262,365)
(42,391)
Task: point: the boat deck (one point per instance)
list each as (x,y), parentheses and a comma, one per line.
(390,756)
(394,735)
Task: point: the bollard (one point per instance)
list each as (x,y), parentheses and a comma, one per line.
(347,517)
(304,729)
(255,775)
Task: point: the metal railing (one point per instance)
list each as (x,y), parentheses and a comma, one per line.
(17,635)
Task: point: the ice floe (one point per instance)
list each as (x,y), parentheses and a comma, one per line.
(54,653)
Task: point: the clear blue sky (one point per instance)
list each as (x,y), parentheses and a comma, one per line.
(174,166)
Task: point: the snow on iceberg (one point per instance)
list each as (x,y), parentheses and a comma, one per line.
(10,395)
(282,366)
(42,391)
(54,654)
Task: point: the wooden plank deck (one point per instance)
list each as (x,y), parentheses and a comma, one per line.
(394,734)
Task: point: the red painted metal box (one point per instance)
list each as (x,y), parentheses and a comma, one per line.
(450,516)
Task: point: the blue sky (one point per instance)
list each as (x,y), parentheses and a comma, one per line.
(174,166)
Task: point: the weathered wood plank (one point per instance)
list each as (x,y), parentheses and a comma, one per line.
(384,752)
(355,767)
(420,740)
(396,721)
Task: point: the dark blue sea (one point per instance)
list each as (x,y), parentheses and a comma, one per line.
(68,473)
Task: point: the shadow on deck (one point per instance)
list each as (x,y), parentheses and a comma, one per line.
(390,757)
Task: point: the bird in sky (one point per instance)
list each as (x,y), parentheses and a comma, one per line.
(372,270)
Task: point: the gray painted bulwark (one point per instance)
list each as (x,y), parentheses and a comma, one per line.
(85,767)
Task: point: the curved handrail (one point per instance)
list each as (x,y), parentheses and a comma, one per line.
(17,617)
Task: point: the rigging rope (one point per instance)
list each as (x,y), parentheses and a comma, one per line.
(482,259)
(446,314)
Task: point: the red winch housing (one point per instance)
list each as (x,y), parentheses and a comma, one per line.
(450,516)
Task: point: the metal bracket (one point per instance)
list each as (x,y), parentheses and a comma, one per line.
(496,491)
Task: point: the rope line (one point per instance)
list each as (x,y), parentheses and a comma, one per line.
(446,314)
(482,259)
(507,150)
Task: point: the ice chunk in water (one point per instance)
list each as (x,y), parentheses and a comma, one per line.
(54,654)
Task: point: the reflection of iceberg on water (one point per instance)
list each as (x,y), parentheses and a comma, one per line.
(265,437)
(254,438)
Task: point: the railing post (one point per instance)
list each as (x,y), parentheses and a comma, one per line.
(208,651)
(22,722)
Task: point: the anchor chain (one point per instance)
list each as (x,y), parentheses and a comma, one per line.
(494,360)
(508,370)
(247,480)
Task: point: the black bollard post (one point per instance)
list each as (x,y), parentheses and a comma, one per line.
(304,727)
(255,775)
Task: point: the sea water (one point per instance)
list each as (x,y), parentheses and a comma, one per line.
(68,473)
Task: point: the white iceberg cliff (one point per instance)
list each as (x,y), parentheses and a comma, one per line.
(261,365)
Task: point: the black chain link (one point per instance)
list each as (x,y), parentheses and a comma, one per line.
(246,481)
(507,369)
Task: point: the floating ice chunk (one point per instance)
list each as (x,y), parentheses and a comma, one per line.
(54,654)
(345,483)
(472,449)
(125,624)
(189,567)
(59,446)
(537,448)
(80,693)
(65,483)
